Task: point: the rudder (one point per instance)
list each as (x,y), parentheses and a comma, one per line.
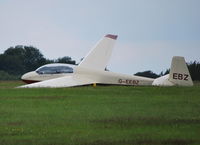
(179,73)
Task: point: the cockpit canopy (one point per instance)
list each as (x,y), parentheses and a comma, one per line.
(55,69)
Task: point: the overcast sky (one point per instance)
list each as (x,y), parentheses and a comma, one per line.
(149,32)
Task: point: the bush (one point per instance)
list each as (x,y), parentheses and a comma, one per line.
(5,76)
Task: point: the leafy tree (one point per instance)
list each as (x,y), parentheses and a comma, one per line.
(165,73)
(5,76)
(32,58)
(15,51)
(66,59)
(11,64)
(20,59)
(194,69)
(148,74)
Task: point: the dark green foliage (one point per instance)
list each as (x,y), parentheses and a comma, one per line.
(194,68)
(12,64)
(148,74)
(66,59)
(166,72)
(20,59)
(6,76)
(33,58)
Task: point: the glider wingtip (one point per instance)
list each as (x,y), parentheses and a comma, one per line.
(111,36)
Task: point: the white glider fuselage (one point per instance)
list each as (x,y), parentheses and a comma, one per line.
(107,77)
(88,76)
(91,70)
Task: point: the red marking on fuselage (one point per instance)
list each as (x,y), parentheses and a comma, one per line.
(30,81)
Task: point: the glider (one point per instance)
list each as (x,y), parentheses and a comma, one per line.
(91,70)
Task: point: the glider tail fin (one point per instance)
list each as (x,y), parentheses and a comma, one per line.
(99,56)
(179,73)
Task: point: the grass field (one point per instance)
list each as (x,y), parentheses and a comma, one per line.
(111,115)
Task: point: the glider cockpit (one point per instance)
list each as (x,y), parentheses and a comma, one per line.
(55,69)
(48,71)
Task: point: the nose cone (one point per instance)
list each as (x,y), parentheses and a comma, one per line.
(29,77)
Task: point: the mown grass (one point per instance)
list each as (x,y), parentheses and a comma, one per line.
(111,115)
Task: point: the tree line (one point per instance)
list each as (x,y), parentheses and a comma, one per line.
(193,67)
(20,59)
(15,61)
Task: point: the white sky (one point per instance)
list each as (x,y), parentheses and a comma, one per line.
(150,31)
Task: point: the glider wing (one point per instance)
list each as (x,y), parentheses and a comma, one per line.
(99,56)
(67,81)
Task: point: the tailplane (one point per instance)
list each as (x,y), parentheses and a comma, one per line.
(99,56)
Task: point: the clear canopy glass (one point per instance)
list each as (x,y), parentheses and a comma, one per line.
(54,69)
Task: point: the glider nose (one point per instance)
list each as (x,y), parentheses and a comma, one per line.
(29,77)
